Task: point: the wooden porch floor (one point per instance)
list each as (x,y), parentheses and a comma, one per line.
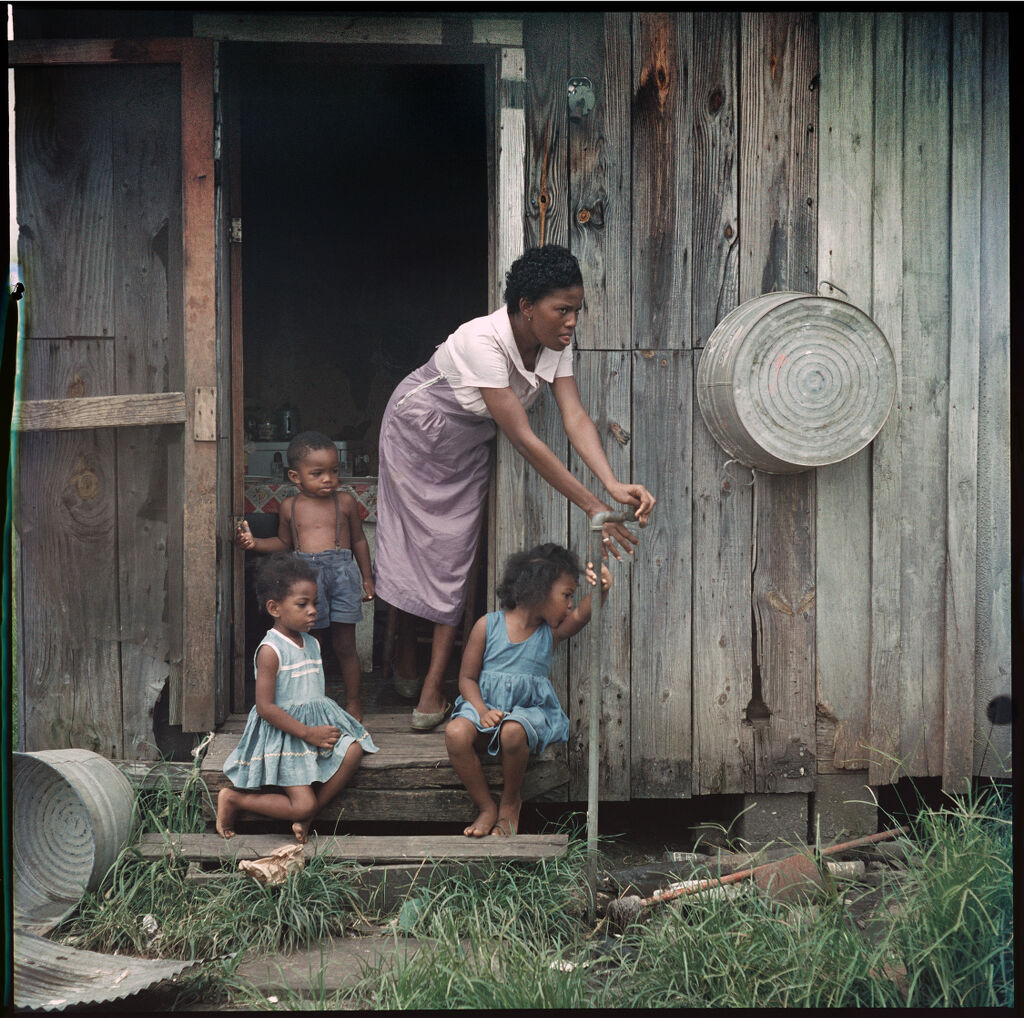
(409,780)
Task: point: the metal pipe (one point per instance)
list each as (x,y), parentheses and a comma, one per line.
(594,737)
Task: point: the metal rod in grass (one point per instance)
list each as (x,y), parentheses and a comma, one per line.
(594,734)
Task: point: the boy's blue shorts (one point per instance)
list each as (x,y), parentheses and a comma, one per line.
(339,586)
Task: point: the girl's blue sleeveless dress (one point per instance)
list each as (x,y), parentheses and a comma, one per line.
(267,756)
(515,679)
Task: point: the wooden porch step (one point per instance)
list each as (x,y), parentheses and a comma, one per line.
(409,779)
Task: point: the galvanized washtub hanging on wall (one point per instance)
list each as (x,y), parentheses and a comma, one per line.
(789,381)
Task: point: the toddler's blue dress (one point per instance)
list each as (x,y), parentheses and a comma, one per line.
(515,679)
(265,755)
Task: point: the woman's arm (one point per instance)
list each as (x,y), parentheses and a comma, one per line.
(267,663)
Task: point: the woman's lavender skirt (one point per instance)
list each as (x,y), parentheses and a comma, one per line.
(431,489)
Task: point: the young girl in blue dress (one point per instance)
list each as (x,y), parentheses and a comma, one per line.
(296,739)
(506,700)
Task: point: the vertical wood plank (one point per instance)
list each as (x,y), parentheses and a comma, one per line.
(886,450)
(660,714)
(926,186)
(843,523)
(994,576)
(721,522)
(604,382)
(599,178)
(662,181)
(147,139)
(778,108)
(70,687)
(199,287)
(545,511)
(962,463)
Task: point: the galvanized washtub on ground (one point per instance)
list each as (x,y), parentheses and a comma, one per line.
(789,381)
(72,816)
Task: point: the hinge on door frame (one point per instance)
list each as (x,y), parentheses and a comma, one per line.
(235,230)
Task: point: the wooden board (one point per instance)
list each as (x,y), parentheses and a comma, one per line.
(599,178)
(962,461)
(662,181)
(992,751)
(660,741)
(924,422)
(843,522)
(778,200)
(886,456)
(367,849)
(604,379)
(146,129)
(722,747)
(715,216)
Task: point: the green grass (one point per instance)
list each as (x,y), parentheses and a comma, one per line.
(517,936)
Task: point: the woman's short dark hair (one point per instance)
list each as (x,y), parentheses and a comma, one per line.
(539,271)
(530,575)
(276,575)
(304,443)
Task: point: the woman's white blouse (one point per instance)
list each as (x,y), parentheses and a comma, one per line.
(483,353)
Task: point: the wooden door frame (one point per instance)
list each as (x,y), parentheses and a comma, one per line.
(192,706)
(498,45)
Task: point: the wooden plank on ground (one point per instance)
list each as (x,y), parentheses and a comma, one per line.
(843,523)
(200,505)
(599,178)
(367,849)
(660,716)
(721,527)
(662,180)
(146,126)
(992,751)
(964,347)
(924,422)
(886,453)
(778,200)
(604,378)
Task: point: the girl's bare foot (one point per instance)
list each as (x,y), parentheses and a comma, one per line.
(483,823)
(508,819)
(226,810)
(301,830)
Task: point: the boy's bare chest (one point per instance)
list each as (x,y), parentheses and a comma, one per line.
(319,525)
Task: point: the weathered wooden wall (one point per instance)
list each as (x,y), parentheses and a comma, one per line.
(98,508)
(851,619)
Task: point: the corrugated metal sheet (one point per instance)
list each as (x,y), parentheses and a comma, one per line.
(50,976)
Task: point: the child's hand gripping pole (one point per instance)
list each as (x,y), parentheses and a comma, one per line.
(598,544)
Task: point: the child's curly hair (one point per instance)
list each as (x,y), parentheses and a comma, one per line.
(276,575)
(539,271)
(530,575)
(304,443)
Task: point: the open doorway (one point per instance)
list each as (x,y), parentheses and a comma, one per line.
(363,197)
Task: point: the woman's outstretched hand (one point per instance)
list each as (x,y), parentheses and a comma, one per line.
(637,496)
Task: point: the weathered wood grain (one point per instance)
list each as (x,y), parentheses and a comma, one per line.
(599,179)
(778,201)
(147,140)
(200,468)
(924,424)
(358,848)
(721,525)
(662,180)
(992,752)
(604,380)
(886,461)
(715,263)
(99,412)
(843,523)
(336,29)
(660,714)
(53,52)
(962,460)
